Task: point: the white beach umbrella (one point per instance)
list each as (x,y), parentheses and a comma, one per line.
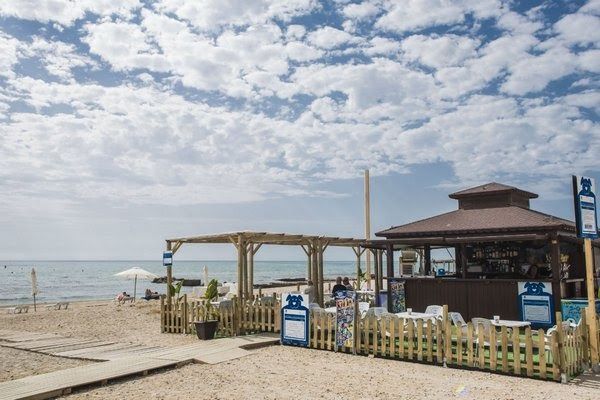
(34,287)
(205,271)
(135,273)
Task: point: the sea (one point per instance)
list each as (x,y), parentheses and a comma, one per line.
(96,280)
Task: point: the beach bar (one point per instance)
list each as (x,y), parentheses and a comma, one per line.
(502,249)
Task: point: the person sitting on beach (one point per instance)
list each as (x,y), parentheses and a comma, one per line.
(122,297)
(150,295)
(346,282)
(338,287)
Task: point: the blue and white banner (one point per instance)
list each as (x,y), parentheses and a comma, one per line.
(295,319)
(584,193)
(167,258)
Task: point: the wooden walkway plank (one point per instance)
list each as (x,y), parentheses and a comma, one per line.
(124,360)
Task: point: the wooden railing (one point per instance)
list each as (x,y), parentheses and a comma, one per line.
(524,352)
(558,355)
(237,317)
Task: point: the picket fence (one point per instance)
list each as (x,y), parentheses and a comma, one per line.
(236,317)
(559,355)
(524,352)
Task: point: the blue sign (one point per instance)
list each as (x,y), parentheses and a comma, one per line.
(295,320)
(536,303)
(584,193)
(167,258)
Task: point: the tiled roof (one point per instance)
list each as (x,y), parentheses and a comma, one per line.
(499,219)
(491,188)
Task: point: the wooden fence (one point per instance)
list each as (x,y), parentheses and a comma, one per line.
(557,355)
(524,352)
(237,317)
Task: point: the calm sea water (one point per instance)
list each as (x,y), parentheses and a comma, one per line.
(91,280)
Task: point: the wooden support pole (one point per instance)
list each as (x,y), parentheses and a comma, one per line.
(240,267)
(368,223)
(169,280)
(427,251)
(315,273)
(321,280)
(250,283)
(389,251)
(380,266)
(357,252)
(591,308)
(462,248)
(555,263)
(377,287)
(308,251)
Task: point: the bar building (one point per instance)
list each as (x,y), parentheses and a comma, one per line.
(497,241)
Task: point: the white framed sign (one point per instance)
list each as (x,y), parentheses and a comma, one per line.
(584,195)
(295,319)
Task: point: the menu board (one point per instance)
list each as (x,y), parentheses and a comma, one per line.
(536,303)
(295,319)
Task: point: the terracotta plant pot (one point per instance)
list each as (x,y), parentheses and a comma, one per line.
(206,329)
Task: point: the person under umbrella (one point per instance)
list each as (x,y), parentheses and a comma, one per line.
(135,273)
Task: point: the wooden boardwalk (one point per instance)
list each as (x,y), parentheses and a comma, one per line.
(120,360)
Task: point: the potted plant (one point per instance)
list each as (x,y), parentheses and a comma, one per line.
(207,326)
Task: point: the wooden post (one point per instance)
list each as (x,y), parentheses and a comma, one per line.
(555,263)
(377,288)
(390,274)
(427,251)
(380,264)
(169,281)
(315,272)
(463,259)
(358,253)
(240,266)
(591,308)
(321,280)
(251,271)
(247,248)
(368,223)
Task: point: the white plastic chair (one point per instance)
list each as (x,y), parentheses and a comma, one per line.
(433,309)
(458,321)
(363,307)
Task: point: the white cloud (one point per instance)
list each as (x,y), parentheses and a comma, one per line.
(361,11)
(65,12)
(295,32)
(533,73)
(330,38)
(208,15)
(298,51)
(382,46)
(8,54)
(439,51)
(419,14)
(579,29)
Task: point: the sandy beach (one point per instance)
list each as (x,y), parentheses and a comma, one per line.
(272,373)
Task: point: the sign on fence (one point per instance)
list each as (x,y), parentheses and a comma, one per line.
(295,319)
(536,303)
(397,296)
(344,325)
(584,193)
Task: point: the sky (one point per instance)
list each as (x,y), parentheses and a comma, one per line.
(125,123)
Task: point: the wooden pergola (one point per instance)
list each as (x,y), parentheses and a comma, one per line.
(248,243)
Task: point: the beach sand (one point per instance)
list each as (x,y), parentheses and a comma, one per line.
(275,372)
